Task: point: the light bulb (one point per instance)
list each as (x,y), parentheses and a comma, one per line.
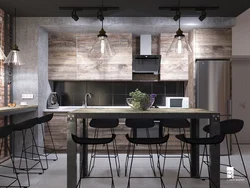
(15,58)
(179,46)
(102,46)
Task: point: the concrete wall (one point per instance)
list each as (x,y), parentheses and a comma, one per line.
(240,73)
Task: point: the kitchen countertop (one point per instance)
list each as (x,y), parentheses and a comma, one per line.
(66,109)
(6,111)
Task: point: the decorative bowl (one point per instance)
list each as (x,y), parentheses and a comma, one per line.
(140,106)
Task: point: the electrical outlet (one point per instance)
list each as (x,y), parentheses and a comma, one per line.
(27,96)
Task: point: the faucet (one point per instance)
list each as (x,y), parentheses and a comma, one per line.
(86,99)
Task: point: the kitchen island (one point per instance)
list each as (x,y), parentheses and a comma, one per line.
(155,113)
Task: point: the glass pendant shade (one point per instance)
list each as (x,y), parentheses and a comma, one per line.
(179,46)
(102,47)
(14,57)
(2,55)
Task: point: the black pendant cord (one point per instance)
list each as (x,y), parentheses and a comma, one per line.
(15,26)
(179,14)
(102,14)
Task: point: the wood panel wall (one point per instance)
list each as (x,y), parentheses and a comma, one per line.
(68,58)
(173,68)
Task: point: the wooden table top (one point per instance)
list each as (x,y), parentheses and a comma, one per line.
(151,113)
(6,111)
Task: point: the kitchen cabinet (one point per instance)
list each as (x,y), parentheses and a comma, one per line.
(173,68)
(68,58)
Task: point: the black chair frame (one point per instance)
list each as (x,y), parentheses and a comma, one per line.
(146,141)
(4,133)
(95,141)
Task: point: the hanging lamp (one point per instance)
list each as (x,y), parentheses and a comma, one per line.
(102,47)
(2,55)
(179,46)
(14,56)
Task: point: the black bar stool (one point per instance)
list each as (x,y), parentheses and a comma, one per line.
(197,141)
(104,124)
(135,124)
(230,127)
(95,141)
(4,134)
(44,122)
(23,127)
(181,125)
(146,141)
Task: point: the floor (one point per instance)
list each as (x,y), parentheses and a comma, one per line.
(55,176)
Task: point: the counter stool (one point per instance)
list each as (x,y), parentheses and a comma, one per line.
(146,141)
(23,127)
(4,134)
(181,125)
(104,124)
(214,140)
(135,124)
(95,141)
(44,122)
(230,127)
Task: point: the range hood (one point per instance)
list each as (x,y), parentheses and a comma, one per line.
(145,63)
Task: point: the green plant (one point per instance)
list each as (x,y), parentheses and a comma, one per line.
(141,100)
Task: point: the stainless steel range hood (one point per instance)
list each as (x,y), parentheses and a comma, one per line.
(146,64)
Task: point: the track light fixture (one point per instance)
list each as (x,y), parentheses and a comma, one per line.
(74,15)
(177,15)
(203,15)
(197,9)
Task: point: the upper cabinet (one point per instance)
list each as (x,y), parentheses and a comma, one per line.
(68,58)
(212,43)
(173,68)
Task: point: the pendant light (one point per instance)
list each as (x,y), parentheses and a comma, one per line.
(2,55)
(14,56)
(179,46)
(102,47)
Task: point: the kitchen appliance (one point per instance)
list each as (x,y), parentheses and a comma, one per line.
(177,102)
(52,101)
(213,91)
(146,66)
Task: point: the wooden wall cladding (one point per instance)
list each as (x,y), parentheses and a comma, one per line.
(172,68)
(213,43)
(68,58)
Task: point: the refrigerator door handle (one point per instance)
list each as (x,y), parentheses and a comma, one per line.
(229,107)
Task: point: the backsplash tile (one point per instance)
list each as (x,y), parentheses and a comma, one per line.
(113,93)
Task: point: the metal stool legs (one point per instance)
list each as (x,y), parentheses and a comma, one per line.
(182,159)
(150,154)
(93,154)
(240,174)
(16,179)
(111,172)
(180,164)
(131,165)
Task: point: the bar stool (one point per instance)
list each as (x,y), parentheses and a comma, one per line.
(181,125)
(95,141)
(146,141)
(135,124)
(44,121)
(230,127)
(197,141)
(4,134)
(104,124)
(23,127)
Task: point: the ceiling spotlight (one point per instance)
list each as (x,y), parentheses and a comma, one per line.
(203,15)
(177,15)
(74,15)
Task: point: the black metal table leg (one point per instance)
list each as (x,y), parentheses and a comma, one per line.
(215,152)
(84,150)
(194,133)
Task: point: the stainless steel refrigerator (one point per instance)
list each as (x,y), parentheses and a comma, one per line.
(213,91)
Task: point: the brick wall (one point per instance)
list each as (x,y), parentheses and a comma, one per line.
(1,70)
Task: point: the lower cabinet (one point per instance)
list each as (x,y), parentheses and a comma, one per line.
(58,127)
